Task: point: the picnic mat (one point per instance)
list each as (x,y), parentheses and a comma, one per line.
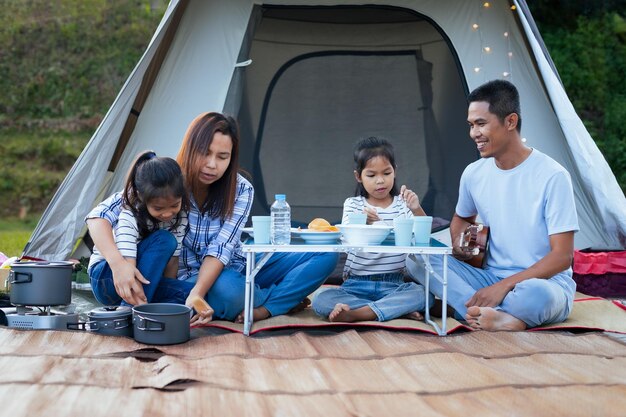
(365,373)
(589,313)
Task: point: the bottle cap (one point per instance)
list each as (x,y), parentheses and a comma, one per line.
(280,196)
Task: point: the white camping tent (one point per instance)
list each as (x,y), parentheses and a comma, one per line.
(307,79)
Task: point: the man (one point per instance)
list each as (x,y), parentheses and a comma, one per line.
(526,199)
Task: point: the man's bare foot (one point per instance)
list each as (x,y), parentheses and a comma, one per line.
(487,318)
(300,306)
(415,315)
(259,313)
(342,312)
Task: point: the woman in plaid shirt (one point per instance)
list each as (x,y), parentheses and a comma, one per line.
(211,263)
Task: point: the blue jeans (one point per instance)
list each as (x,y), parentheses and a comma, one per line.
(534,301)
(386,294)
(153,254)
(283,282)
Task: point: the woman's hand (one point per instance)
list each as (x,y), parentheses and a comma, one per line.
(203,309)
(128,282)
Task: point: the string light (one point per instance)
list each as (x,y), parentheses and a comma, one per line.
(510,54)
(505,74)
(513,7)
(476,70)
(524,140)
(487,49)
(506,34)
(486,4)
(475,26)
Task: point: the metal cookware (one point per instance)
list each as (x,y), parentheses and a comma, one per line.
(111,321)
(40,283)
(161,323)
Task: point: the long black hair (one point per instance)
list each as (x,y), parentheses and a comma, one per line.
(152,177)
(367,149)
(220,200)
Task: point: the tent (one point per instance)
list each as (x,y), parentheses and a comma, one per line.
(306,80)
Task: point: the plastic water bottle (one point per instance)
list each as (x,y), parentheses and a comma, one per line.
(280,226)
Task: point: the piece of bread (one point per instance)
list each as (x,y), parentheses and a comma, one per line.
(321,225)
(199,304)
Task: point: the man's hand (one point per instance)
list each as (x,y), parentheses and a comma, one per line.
(462,254)
(128,283)
(490,296)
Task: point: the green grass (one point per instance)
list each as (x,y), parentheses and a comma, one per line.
(14,234)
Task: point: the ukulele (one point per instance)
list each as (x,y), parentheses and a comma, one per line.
(475,240)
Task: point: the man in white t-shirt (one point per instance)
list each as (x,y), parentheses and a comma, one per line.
(526,199)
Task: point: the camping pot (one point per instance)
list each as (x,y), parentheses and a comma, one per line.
(161,323)
(111,321)
(40,283)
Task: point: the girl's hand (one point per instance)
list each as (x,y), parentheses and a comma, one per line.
(412,201)
(203,309)
(128,282)
(372,215)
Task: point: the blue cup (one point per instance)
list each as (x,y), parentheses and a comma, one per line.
(357,218)
(261,229)
(421,229)
(403,231)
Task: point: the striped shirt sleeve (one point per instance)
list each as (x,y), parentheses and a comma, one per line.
(108,209)
(127,234)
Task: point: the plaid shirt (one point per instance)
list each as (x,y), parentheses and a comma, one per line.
(205,236)
(211,236)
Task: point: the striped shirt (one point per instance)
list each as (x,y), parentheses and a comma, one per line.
(210,236)
(127,233)
(363,263)
(124,228)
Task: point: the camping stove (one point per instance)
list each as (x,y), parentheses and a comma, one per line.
(41,318)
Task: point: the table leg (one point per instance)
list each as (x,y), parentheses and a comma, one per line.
(249,295)
(444,297)
(441,331)
(252,268)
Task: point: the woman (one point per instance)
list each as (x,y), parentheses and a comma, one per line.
(212,265)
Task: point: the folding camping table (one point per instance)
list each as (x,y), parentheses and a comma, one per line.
(297,245)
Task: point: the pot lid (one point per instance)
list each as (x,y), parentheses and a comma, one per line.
(39,264)
(110,312)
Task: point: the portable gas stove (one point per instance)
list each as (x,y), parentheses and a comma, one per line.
(41,318)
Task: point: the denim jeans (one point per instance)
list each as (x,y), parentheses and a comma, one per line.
(153,254)
(284,281)
(386,294)
(534,301)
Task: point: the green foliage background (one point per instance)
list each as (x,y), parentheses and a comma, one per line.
(62,63)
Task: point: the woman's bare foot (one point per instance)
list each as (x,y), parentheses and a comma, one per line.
(487,318)
(300,306)
(342,312)
(415,315)
(259,313)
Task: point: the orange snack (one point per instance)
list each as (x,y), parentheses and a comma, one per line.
(322,225)
(199,304)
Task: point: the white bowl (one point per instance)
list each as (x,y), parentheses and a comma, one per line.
(364,234)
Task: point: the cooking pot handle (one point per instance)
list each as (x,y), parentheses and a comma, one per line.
(76,326)
(16,279)
(143,323)
(98,325)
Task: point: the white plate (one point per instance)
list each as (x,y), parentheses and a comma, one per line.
(314,237)
(250,231)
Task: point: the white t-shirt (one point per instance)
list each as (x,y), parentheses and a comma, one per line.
(522,206)
(362,263)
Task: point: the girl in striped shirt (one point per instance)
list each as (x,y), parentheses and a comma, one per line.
(374,287)
(148,231)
